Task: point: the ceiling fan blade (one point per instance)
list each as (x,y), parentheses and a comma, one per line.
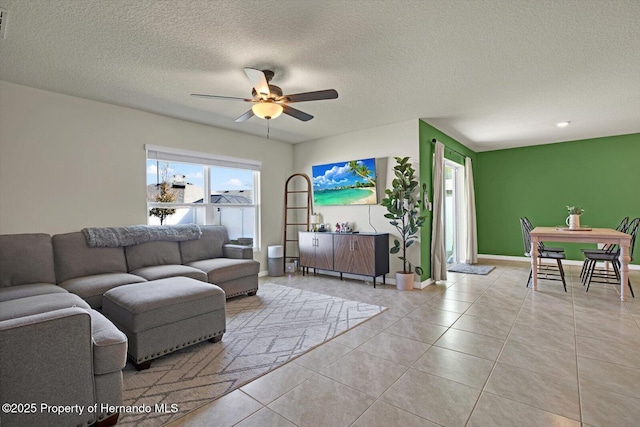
(246,116)
(300,115)
(227,98)
(259,81)
(311,96)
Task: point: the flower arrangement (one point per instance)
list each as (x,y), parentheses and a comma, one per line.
(575,210)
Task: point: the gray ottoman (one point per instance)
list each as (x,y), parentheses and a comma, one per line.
(162,316)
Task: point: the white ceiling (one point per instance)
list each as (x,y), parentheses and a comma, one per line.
(490,73)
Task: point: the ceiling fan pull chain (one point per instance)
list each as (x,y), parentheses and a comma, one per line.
(268,128)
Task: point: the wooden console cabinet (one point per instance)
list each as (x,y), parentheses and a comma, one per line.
(316,250)
(365,254)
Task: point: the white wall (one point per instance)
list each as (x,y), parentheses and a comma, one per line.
(384,143)
(68,163)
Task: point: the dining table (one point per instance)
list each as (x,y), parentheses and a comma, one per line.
(583,235)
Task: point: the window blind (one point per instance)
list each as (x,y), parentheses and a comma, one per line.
(155,152)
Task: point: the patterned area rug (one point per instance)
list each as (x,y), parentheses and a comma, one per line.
(263,332)
(470,269)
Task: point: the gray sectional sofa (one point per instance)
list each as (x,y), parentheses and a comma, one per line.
(55,345)
(90,272)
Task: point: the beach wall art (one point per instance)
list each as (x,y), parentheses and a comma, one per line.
(345,183)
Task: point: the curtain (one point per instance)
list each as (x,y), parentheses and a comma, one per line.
(471,243)
(438,253)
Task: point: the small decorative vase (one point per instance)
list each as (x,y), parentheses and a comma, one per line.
(573,221)
(404,281)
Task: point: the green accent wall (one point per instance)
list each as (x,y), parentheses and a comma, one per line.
(602,175)
(426,134)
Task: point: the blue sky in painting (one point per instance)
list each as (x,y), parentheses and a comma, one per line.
(338,174)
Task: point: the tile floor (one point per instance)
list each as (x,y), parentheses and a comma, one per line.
(474,351)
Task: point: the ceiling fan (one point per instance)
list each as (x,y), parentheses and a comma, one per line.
(268,100)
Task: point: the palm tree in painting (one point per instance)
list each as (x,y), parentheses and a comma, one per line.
(360,169)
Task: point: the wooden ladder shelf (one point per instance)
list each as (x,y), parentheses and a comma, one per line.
(296,213)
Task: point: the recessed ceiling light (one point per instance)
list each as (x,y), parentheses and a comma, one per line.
(563,124)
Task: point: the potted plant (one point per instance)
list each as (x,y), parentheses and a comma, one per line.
(573,220)
(403,208)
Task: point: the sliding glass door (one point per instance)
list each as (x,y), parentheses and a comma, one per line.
(453,211)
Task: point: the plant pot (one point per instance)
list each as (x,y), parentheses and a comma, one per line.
(404,281)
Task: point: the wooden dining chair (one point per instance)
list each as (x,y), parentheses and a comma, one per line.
(548,271)
(612,255)
(586,265)
(542,246)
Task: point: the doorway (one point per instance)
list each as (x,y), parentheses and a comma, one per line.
(454,211)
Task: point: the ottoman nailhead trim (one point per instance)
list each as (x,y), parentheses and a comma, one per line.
(240,293)
(165,351)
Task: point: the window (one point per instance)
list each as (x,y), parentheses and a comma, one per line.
(178,182)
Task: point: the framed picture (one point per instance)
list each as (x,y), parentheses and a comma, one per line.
(345,183)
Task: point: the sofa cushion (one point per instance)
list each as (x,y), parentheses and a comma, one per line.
(164,271)
(109,345)
(143,306)
(209,245)
(25,259)
(33,289)
(91,288)
(39,304)
(73,258)
(222,269)
(152,254)
(237,251)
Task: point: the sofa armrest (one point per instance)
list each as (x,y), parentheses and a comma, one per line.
(237,251)
(46,359)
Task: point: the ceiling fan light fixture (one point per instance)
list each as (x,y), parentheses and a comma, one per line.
(267,110)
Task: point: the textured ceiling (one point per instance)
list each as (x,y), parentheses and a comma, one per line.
(491,74)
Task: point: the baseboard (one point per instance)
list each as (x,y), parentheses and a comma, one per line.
(421,285)
(424,283)
(390,280)
(527,260)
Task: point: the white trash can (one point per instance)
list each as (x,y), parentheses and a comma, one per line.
(276,260)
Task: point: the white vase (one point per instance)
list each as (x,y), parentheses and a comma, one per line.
(404,281)
(573,221)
